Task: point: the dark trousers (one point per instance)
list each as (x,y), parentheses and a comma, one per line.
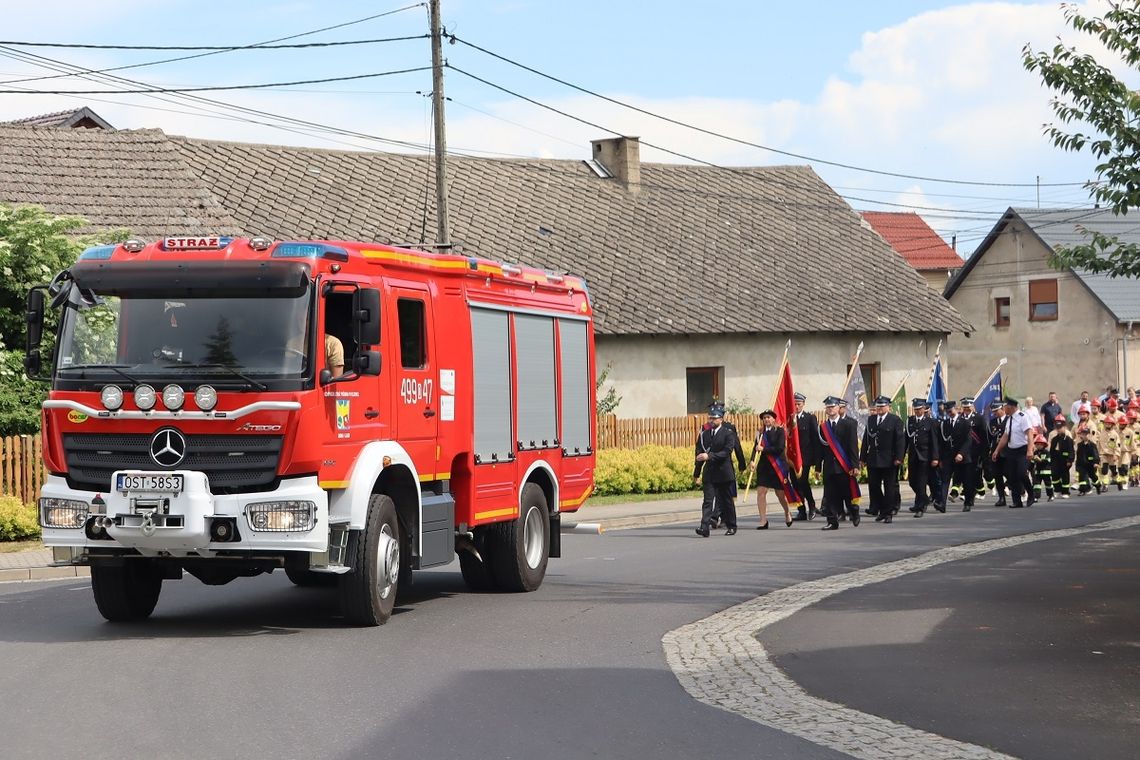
(934,480)
(717,511)
(1060,474)
(883,484)
(1086,476)
(965,472)
(1016,472)
(718,494)
(919,477)
(998,469)
(803,488)
(837,497)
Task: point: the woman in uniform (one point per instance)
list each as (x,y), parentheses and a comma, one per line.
(769,462)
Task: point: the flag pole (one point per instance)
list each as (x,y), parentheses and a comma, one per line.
(775,392)
(854,366)
(902,383)
(930,380)
(993,374)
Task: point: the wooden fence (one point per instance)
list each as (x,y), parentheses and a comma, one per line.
(21,467)
(615,433)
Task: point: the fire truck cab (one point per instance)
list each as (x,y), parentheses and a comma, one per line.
(349,412)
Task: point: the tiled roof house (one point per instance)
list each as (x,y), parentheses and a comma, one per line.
(699,275)
(921,247)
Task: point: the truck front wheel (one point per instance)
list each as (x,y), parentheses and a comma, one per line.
(126,592)
(368,591)
(523,545)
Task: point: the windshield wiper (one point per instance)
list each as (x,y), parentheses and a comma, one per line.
(116,368)
(257,385)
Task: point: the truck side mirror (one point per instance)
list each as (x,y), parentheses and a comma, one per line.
(366,363)
(34,318)
(366,316)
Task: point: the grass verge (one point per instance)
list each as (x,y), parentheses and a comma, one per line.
(632,498)
(20,546)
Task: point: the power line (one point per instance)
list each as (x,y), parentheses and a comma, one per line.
(218,51)
(740,141)
(219,48)
(214,88)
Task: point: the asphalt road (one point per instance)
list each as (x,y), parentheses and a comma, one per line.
(573,670)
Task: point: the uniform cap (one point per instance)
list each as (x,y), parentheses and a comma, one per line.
(716,410)
(919,403)
(842,402)
(1059,420)
(800,397)
(1039,440)
(1010,401)
(996,404)
(831,401)
(768,413)
(882,401)
(967,401)
(949,403)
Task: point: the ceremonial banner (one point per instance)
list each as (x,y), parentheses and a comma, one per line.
(992,391)
(937,390)
(858,407)
(784,405)
(899,405)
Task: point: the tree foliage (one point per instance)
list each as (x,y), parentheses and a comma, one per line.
(608,401)
(1096,111)
(34,245)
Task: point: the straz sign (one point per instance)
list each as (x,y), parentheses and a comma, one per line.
(210,243)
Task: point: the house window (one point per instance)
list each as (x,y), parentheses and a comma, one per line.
(870,374)
(1001,312)
(702,385)
(1042,300)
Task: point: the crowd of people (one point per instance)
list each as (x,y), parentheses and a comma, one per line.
(1018,454)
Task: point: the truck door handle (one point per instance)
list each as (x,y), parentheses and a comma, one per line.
(371,413)
(429,412)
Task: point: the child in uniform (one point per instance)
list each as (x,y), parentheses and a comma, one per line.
(1061,451)
(1042,470)
(1088,458)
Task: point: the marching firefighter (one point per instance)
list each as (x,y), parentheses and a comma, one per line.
(997,466)
(1061,454)
(807,427)
(1088,460)
(1127,444)
(922,453)
(884,445)
(1041,468)
(1109,445)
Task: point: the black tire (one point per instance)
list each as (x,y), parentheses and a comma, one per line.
(126,592)
(521,547)
(364,600)
(297,570)
(477,570)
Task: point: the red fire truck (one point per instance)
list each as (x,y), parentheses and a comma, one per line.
(200,419)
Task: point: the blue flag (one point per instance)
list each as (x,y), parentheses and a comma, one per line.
(992,392)
(937,390)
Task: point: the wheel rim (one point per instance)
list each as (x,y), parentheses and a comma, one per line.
(387,562)
(533,535)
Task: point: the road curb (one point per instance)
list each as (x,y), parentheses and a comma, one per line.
(44,573)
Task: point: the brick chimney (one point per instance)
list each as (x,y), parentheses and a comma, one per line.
(622,157)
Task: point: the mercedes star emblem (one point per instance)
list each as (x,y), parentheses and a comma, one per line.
(168,448)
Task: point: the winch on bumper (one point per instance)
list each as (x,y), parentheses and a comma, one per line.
(173,514)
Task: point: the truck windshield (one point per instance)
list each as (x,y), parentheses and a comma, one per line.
(184,338)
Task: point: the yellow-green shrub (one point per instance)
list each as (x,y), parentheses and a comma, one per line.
(17,520)
(649,469)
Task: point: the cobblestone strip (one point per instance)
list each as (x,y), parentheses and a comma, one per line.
(720,662)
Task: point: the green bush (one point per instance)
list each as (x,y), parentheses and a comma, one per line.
(649,469)
(18,521)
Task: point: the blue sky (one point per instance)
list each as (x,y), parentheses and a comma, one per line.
(921,87)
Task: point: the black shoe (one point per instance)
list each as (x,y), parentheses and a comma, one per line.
(843,518)
(941,508)
(888,520)
(812,513)
(763,527)
(703,532)
(788,523)
(800,517)
(870,511)
(912,509)
(919,512)
(714,524)
(855,519)
(967,507)
(1015,505)
(1050,497)
(730,532)
(882,518)
(830,526)
(1000,503)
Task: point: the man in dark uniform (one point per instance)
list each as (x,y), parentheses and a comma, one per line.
(741,464)
(714,461)
(922,432)
(979,450)
(947,487)
(840,443)
(961,453)
(997,466)
(808,427)
(882,452)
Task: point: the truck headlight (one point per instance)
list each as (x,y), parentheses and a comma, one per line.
(63,513)
(281,516)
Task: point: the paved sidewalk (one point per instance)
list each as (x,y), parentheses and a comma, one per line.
(34,565)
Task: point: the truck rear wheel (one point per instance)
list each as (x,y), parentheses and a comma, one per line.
(368,591)
(126,592)
(522,546)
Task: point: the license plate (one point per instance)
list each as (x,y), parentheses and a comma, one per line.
(149,483)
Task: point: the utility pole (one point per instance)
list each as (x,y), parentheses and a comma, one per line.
(443,237)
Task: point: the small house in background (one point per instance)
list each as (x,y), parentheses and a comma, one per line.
(79,118)
(922,247)
(1061,330)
